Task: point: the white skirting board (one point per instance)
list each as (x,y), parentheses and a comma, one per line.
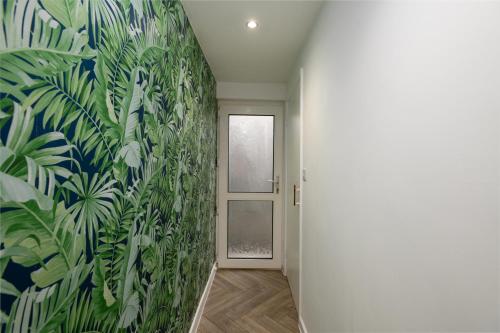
(302,326)
(203,301)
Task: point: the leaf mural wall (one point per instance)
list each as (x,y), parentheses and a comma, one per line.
(107,166)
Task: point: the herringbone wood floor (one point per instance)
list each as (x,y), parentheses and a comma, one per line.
(249,301)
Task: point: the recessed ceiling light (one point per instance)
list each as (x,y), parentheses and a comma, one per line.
(252,24)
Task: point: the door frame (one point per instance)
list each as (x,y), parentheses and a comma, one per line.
(298,82)
(302,190)
(249,107)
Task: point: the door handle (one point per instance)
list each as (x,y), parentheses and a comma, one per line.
(295,190)
(277,182)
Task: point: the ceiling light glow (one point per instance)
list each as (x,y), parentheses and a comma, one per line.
(252,24)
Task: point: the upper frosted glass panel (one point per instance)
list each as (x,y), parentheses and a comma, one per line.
(251,150)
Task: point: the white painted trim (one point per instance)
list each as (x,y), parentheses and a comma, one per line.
(284,187)
(284,224)
(302,326)
(203,300)
(302,189)
(294,82)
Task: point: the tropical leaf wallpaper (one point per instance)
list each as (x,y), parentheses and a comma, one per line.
(107,166)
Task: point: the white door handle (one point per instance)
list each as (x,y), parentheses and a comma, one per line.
(277,182)
(296,190)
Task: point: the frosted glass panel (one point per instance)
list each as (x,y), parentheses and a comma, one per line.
(250,229)
(251,149)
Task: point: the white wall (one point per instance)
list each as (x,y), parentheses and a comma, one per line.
(251,91)
(401,148)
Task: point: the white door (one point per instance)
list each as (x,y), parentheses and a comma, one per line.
(250,177)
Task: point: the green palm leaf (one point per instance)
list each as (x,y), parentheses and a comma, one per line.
(70,13)
(35,44)
(128,122)
(128,297)
(21,144)
(66,100)
(28,165)
(112,235)
(43,311)
(144,180)
(115,295)
(47,233)
(128,118)
(80,317)
(139,114)
(104,15)
(8,288)
(94,204)
(148,38)
(13,189)
(119,58)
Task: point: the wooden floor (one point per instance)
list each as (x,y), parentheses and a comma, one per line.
(253,301)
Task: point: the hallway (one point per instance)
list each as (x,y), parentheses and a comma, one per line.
(265,166)
(249,301)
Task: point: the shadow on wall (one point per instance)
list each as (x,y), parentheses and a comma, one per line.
(107,168)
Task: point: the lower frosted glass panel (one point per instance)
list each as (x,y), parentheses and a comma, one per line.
(250,229)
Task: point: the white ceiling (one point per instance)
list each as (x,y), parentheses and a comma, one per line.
(237,54)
